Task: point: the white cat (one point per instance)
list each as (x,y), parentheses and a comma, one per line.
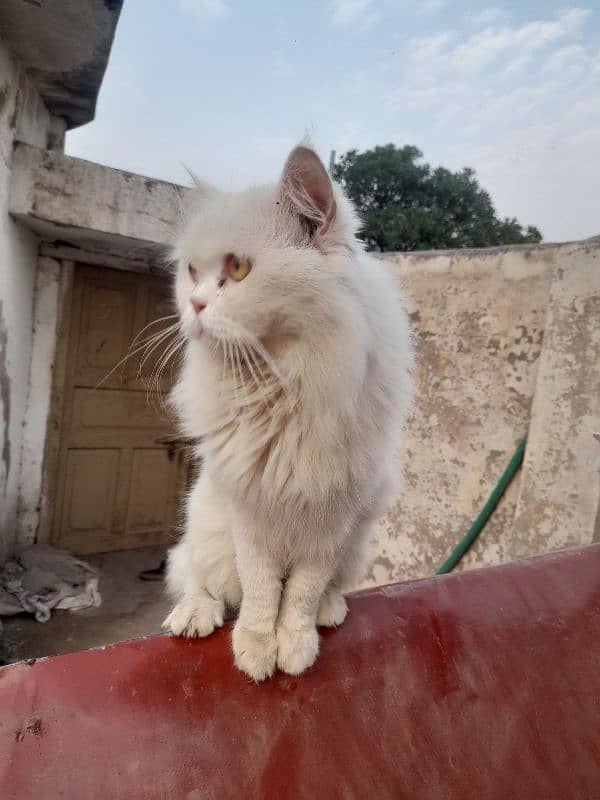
(297,377)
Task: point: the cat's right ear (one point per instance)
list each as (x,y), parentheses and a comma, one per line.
(307,190)
(203,188)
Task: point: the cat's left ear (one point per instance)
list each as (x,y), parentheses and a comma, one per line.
(203,188)
(306,186)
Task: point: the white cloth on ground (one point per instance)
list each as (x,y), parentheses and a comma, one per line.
(40,578)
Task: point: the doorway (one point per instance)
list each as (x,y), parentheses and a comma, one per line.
(119,477)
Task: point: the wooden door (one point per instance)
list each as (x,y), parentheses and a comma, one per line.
(118,484)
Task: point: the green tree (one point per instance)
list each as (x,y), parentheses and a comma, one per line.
(404,204)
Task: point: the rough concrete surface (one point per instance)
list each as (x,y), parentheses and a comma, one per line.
(559,502)
(70,200)
(496,331)
(478,319)
(64,46)
(130,608)
(23,115)
(44,331)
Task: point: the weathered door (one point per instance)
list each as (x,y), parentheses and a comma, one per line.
(117,486)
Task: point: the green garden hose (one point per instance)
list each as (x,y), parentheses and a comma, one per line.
(486,512)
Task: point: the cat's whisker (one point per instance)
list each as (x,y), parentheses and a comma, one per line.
(270,379)
(153,344)
(154,322)
(275,380)
(166,340)
(158,334)
(168,356)
(260,350)
(262,386)
(159,339)
(120,363)
(237,381)
(247,391)
(223,367)
(238,368)
(170,350)
(228,362)
(243,335)
(131,353)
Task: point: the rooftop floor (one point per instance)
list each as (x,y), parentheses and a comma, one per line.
(130,609)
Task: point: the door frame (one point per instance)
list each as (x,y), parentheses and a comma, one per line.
(54,426)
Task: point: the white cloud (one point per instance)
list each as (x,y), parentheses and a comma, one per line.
(507,49)
(430,6)
(422,98)
(488,16)
(484,47)
(521,104)
(572,57)
(518,63)
(423,48)
(546,174)
(350,12)
(205,9)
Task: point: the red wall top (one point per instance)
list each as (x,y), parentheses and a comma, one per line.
(483,684)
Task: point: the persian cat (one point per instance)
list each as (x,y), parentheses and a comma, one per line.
(296,382)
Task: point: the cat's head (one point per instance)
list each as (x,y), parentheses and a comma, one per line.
(263,262)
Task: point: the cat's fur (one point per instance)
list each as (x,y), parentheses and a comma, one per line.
(297,378)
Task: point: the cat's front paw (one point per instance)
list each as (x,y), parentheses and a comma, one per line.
(195,617)
(296,649)
(332,609)
(255,653)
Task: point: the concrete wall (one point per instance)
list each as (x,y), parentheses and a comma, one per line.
(47,306)
(94,207)
(559,501)
(22,116)
(507,340)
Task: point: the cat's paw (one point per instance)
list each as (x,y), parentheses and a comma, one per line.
(332,609)
(255,653)
(195,617)
(296,650)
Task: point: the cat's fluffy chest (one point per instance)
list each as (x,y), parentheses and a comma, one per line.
(286,452)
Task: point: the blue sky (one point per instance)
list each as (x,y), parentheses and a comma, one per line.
(228,87)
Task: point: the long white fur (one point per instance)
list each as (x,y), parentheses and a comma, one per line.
(297,379)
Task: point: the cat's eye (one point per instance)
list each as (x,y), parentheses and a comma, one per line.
(193,272)
(237,268)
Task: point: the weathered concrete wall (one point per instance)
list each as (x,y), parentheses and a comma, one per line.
(24,116)
(64,46)
(47,306)
(559,501)
(95,207)
(479,319)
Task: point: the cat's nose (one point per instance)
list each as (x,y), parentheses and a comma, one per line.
(198,305)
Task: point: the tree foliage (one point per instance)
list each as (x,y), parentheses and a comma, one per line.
(405,204)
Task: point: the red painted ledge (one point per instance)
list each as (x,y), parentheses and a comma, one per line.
(483,684)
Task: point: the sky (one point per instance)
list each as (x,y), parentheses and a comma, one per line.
(228,87)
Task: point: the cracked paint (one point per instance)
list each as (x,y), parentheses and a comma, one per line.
(4,399)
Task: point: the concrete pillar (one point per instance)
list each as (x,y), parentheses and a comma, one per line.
(560,485)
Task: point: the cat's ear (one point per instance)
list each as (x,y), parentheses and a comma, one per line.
(205,189)
(306,187)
